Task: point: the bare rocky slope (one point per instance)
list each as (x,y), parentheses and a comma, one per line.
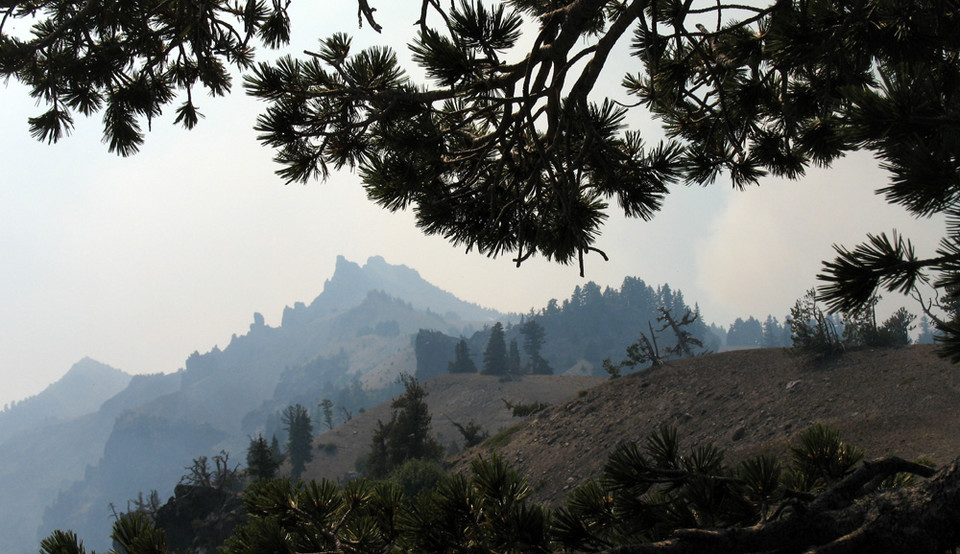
(451,398)
(903,402)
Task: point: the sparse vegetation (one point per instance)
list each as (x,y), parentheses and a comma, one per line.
(524,410)
(813,331)
(644,495)
(647,350)
(473,433)
(328,448)
(502,438)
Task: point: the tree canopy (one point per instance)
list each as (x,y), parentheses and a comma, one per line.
(508,146)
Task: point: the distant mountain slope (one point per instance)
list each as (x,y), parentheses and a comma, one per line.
(80,391)
(140,449)
(41,461)
(887,401)
(221,387)
(350,284)
(227,394)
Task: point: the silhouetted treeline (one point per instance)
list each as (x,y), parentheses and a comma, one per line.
(591,325)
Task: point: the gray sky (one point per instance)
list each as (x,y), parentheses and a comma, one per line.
(137,262)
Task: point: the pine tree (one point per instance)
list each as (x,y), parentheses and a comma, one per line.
(296,421)
(407,435)
(410,431)
(462,362)
(514,365)
(495,356)
(895,330)
(533,339)
(926,333)
(276,450)
(378,462)
(261,463)
(772,333)
(745,333)
(812,330)
(326,407)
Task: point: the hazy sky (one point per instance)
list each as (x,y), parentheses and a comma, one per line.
(137,262)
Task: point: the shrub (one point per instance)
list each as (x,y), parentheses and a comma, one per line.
(328,448)
(502,438)
(473,433)
(524,410)
(811,330)
(415,477)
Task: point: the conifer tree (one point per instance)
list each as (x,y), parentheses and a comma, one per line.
(514,365)
(745,333)
(261,463)
(326,407)
(275,449)
(407,435)
(533,339)
(773,333)
(462,362)
(495,356)
(296,421)
(926,333)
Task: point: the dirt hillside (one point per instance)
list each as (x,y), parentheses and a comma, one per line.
(902,402)
(458,398)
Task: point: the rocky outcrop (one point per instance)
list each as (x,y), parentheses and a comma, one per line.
(198,519)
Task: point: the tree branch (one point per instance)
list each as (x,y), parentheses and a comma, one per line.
(834,523)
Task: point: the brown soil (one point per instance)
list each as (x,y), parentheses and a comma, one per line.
(903,402)
(458,398)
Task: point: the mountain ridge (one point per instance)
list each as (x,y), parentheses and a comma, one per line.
(40,462)
(81,390)
(350,283)
(357,314)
